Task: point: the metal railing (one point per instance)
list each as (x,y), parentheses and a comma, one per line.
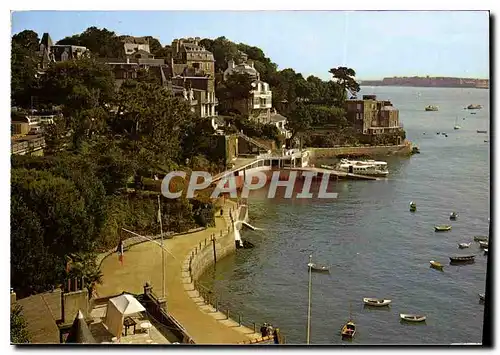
(210,297)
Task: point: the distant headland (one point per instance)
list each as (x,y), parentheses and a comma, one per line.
(427,81)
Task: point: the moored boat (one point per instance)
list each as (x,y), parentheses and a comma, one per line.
(483,245)
(482,297)
(486,251)
(319,268)
(462,259)
(364,167)
(474,107)
(431,108)
(481,131)
(348,330)
(453,215)
(413,206)
(480,238)
(464,245)
(442,228)
(412,317)
(436,265)
(376,302)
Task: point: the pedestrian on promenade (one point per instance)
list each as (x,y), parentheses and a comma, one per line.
(264,330)
(221,211)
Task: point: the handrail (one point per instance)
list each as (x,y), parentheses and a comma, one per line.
(210,298)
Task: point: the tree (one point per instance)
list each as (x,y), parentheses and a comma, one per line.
(24,67)
(31,265)
(18,332)
(345,78)
(299,120)
(83,87)
(62,210)
(84,266)
(77,84)
(101,42)
(154,45)
(153,119)
(237,87)
(27,39)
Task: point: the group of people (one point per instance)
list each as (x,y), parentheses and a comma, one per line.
(268,329)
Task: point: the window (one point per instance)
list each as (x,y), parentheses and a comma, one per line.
(196,65)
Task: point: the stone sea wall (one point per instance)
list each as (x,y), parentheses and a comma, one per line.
(403,149)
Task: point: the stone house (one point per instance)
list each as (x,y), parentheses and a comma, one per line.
(50,52)
(259,105)
(371,117)
(193,67)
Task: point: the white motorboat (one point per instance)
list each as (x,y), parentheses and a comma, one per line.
(464,245)
(382,165)
(368,167)
(376,302)
(483,245)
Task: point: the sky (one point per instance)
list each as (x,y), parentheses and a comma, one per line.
(375,44)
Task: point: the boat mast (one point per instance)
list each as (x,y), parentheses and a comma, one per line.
(309,302)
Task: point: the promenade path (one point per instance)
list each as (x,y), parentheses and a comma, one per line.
(142,263)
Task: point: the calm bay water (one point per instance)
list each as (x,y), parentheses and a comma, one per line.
(374,245)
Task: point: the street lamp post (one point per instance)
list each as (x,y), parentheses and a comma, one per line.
(309,302)
(162,250)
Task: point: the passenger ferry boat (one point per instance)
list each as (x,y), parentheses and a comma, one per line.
(365,167)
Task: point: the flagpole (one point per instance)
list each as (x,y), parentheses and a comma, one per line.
(162,251)
(309,302)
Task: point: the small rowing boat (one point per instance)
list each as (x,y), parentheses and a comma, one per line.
(319,268)
(453,216)
(348,330)
(442,228)
(462,259)
(480,238)
(482,297)
(376,302)
(412,317)
(464,245)
(483,245)
(486,251)
(436,265)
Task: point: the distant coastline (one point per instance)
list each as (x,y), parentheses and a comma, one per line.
(438,82)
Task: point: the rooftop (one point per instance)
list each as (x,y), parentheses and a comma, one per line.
(157,334)
(41,312)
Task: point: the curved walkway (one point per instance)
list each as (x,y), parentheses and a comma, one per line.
(142,263)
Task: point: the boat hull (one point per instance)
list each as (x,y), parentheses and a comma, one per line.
(376,303)
(462,259)
(436,265)
(479,238)
(412,318)
(348,330)
(442,228)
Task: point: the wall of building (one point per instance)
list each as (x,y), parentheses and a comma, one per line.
(403,149)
